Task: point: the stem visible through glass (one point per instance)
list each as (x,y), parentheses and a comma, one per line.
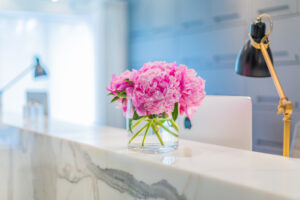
(153,123)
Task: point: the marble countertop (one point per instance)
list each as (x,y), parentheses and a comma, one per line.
(270,174)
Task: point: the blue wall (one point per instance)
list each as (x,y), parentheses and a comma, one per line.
(207,36)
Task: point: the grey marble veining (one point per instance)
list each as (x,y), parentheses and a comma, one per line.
(67,162)
(125,182)
(40,167)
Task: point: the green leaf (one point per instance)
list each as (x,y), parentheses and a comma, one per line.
(129,81)
(136,116)
(175,112)
(110,94)
(121,94)
(114,99)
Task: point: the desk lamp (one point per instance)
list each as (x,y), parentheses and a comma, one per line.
(39,71)
(255,60)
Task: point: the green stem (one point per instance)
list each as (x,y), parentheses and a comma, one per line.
(137,133)
(161,125)
(158,135)
(137,123)
(174,124)
(145,135)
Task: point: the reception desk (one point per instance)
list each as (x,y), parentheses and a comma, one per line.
(61,161)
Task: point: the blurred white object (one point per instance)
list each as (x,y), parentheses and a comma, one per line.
(295,143)
(34,113)
(39,97)
(221,120)
(1,110)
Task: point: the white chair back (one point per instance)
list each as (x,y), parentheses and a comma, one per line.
(221,120)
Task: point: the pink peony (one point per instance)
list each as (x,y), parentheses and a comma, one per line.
(119,83)
(156,89)
(192,91)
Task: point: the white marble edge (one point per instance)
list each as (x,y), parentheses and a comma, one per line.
(267,173)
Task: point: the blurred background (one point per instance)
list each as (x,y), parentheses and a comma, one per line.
(81,43)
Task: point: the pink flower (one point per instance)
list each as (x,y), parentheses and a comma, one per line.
(156,89)
(119,83)
(192,91)
(122,84)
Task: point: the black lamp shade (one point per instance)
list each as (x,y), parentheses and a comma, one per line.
(250,61)
(39,71)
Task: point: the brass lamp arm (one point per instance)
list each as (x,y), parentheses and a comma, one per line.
(285,106)
(273,72)
(263,45)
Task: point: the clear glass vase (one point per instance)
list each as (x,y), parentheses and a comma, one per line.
(152,134)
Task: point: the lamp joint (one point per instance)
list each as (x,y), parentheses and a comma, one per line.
(285,107)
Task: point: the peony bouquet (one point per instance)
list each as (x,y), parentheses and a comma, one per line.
(156,94)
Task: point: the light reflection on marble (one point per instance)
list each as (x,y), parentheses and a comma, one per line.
(66,161)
